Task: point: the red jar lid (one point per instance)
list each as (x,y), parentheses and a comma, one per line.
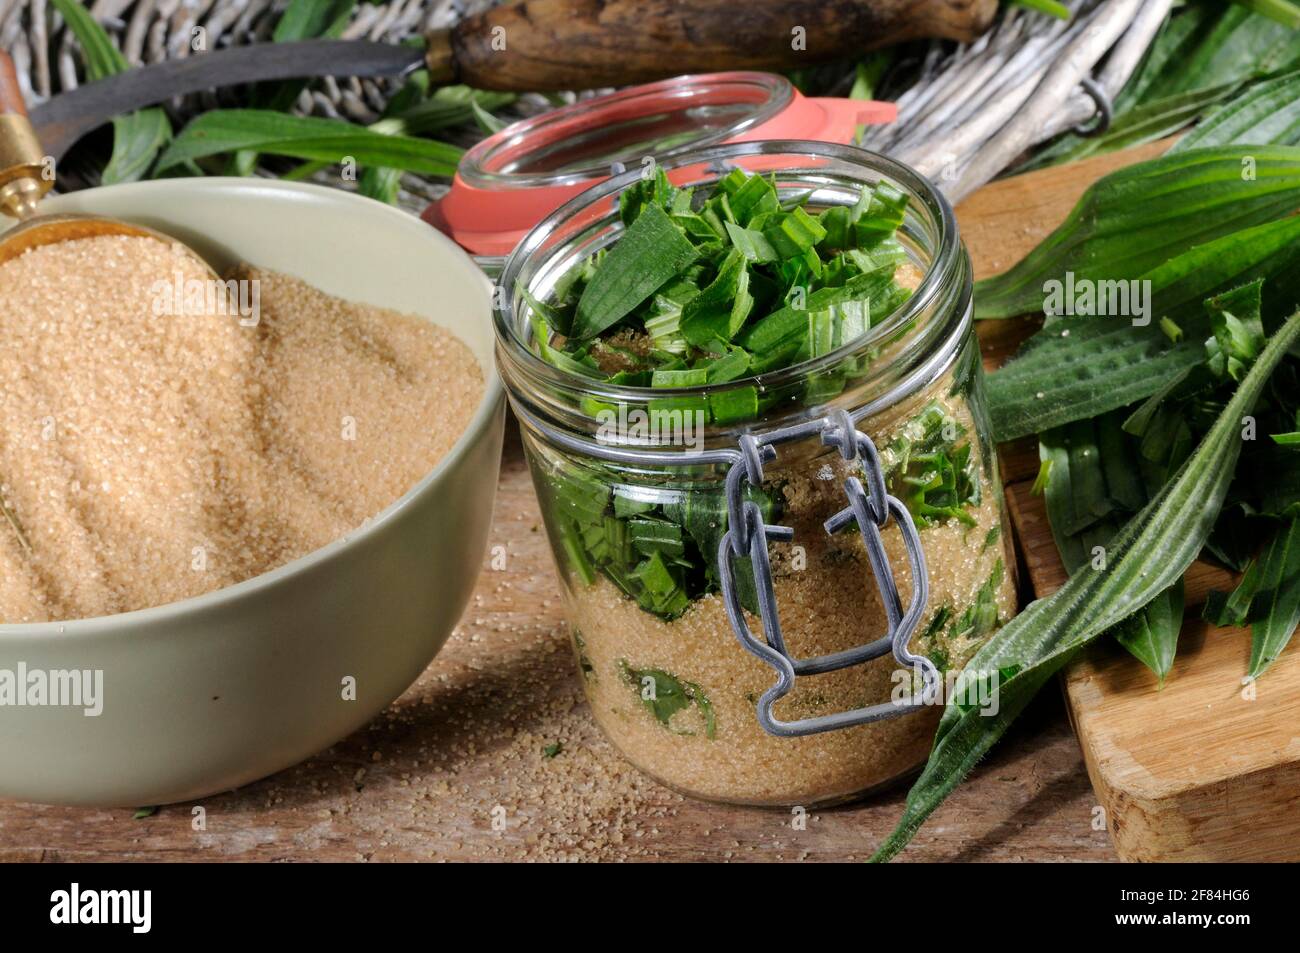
(513,179)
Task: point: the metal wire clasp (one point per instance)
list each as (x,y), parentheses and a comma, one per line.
(870,508)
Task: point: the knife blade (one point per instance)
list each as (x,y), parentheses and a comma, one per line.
(63,119)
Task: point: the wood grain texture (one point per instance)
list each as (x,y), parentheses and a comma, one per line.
(421,782)
(1205,769)
(580,44)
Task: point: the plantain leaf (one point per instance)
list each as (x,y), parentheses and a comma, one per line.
(301,20)
(1268,112)
(1151,634)
(651,252)
(1208,43)
(306,137)
(1282,11)
(449,106)
(137,136)
(1275,609)
(1137,218)
(137,140)
(1145,558)
(486,121)
(380,184)
(1079,367)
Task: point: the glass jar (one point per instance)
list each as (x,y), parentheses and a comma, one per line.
(729,659)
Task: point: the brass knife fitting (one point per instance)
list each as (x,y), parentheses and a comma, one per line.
(439,58)
(24,169)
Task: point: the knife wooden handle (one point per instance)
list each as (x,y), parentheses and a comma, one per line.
(11,94)
(579,44)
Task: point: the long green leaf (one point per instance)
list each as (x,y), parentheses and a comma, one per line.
(1267,113)
(301,20)
(1209,43)
(1282,11)
(1137,218)
(1148,555)
(305,137)
(1151,634)
(1276,608)
(1075,368)
(137,137)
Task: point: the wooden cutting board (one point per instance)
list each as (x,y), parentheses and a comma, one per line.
(1205,769)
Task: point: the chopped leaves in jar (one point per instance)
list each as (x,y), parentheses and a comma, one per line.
(742,285)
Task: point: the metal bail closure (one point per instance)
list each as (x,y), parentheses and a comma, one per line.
(870,508)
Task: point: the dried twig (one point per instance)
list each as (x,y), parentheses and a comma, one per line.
(1041,112)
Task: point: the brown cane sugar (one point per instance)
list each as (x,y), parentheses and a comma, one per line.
(159,443)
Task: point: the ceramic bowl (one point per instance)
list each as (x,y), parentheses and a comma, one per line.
(210,693)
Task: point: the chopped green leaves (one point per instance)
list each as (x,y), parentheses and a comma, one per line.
(981,617)
(717,312)
(658,547)
(651,252)
(706,290)
(664,695)
(930,468)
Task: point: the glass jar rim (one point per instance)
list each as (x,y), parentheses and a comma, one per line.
(944,262)
(479,166)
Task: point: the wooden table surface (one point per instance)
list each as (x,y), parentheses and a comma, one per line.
(455,770)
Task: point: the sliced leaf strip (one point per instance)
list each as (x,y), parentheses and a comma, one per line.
(651,252)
